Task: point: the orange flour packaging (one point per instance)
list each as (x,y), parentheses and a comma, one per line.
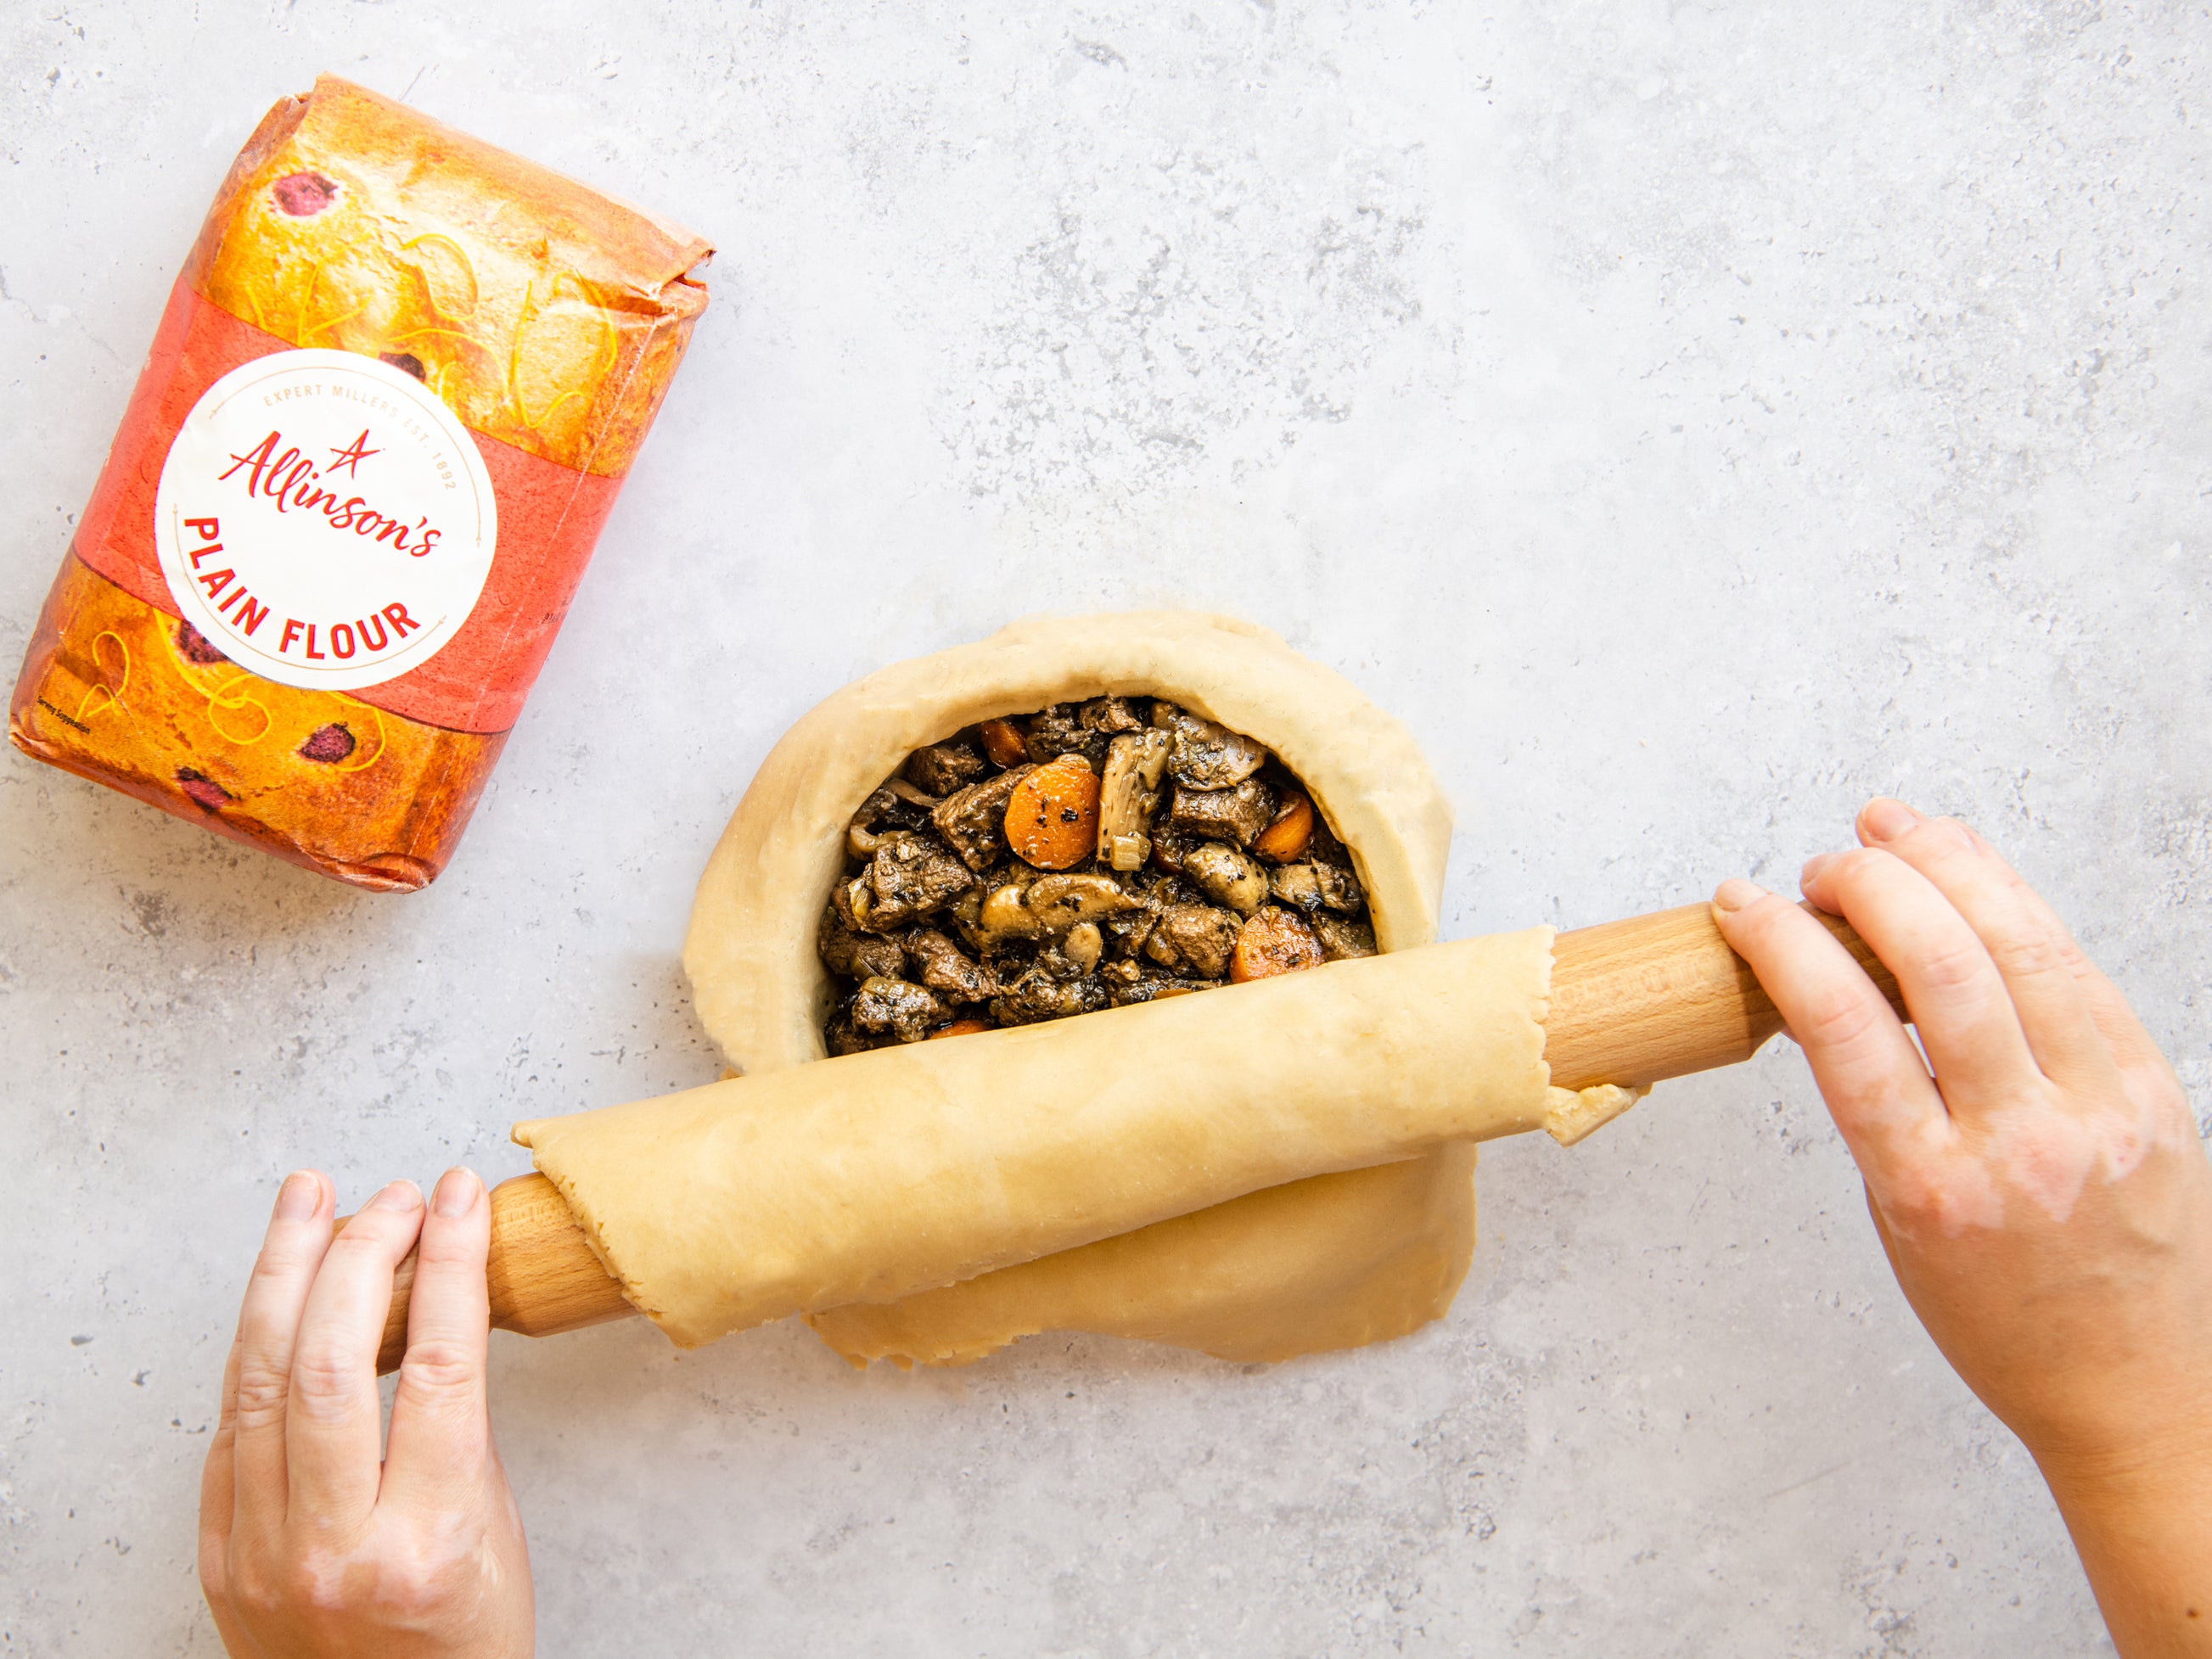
(395,392)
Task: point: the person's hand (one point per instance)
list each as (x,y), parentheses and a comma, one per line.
(2036,1180)
(310,1548)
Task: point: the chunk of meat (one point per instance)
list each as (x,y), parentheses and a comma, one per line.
(843,1038)
(905,1010)
(943,767)
(1148,986)
(1196,939)
(912,874)
(1341,938)
(1206,756)
(845,950)
(1060,730)
(1274,942)
(1170,846)
(1237,813)
(1111,715)
(1040,994)
(946,968)
(974,820)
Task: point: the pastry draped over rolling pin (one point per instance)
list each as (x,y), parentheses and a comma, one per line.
(1281,1164)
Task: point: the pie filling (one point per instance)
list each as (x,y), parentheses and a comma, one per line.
(1083,857)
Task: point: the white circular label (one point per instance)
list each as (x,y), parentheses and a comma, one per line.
(324,519)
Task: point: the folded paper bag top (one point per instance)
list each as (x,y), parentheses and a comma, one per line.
(394,393)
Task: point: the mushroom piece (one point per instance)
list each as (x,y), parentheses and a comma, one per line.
(1045,905)
(1006,914)
(1206,756)
(1083,947)
(1059,901)
(974,820)
(905,1010)
(1314,885)
(1227,876)
(1128,795)
(1237,813)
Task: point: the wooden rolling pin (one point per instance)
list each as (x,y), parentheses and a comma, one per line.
(1632,1002)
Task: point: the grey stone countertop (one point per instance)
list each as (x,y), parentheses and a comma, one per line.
(1691,419)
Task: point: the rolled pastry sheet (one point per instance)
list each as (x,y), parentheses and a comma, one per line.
(1329,1262)
(880,1175)
(1335,1261)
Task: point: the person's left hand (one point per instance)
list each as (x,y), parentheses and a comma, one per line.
(310,1548)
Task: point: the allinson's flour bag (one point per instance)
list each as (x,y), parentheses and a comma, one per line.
(390,402)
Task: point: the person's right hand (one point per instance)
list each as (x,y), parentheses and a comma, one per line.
(2041,1191)
(310,1548)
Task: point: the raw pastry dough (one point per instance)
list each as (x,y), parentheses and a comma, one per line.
(1330,1263)
(761,990)
(880,1175)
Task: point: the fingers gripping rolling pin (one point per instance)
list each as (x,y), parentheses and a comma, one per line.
(1631,1003)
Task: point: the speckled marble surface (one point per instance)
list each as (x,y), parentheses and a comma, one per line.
(1691,419)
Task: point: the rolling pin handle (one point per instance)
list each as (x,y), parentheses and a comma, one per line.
(1663,995)
(542,1276)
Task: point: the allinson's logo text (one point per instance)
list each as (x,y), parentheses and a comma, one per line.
(325,520)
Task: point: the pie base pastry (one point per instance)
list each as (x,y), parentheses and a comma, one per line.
(1330,1263)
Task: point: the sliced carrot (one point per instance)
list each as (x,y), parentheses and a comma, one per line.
(1289,832)
(961,1028)
(1273,942)
(1002,742)
(1052,817)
